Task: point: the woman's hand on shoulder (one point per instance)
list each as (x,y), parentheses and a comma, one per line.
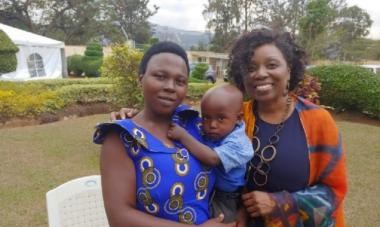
(123,113)
(258,203)
(218,222)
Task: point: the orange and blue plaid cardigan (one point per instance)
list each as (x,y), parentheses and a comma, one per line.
(321,203)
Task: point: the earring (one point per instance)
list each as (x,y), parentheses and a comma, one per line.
(287,88)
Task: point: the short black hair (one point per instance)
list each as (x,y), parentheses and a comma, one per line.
(163,47)
(244,48)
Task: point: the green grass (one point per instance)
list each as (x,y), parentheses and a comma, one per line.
(36,159)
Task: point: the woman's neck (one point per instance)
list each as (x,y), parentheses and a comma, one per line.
(157,125)
(275,111)
(148,117)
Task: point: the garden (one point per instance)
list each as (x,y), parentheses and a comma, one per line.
(39,157)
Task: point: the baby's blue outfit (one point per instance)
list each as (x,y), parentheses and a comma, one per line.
(234,151)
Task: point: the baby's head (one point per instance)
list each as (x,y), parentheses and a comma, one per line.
(221,110)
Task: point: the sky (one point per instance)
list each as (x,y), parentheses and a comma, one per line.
(187,14)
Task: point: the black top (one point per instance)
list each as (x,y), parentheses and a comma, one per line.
(289,170)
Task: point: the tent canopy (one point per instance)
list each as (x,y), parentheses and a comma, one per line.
(24,38)
(38,57)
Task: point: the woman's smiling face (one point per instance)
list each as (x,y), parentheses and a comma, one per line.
(268,74)
(164,83)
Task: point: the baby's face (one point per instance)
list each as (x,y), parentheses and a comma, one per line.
(217,120)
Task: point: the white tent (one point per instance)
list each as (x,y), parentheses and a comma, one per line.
(38,57)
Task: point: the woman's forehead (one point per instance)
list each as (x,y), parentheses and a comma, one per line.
(164,60)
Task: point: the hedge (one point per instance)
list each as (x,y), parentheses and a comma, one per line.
(13,104)
(74,65)
(29,99)
(86,93)
(52,84)
(349,87)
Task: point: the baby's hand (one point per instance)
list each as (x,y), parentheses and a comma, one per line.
(176,132)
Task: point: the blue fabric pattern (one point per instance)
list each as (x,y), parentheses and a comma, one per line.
(170,182)
(234,151)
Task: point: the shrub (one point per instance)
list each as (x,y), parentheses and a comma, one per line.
(36,85)
(74,64)
(309,89)
(86,93)
(199,71)
(94,50)
(28,99)
(14,104)
(349,87)
(91,66)
(92,60)
(8,50)
(194,80)
(196,90)
(122,65)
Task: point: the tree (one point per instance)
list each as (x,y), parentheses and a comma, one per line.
(224,19)
(74,21)
(21,13)
(131,17)
(314,24)
(282,15)
(353,22)
(80,21)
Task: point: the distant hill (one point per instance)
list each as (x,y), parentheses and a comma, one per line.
(185,38)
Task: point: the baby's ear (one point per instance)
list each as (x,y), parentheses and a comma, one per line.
(240,116)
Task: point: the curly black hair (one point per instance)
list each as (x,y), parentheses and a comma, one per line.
(244,48)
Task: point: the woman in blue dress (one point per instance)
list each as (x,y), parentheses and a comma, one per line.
(147,179)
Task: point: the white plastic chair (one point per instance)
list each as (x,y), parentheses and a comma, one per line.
(77,203)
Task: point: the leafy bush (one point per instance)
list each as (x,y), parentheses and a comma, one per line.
(92,60)
(196,90)
(13,104)
(74,65)
(91,66)
(122,65)
(195,80)
(28,99)
(94,50)
(36,85)
(199,71)
(86,93)
(309,89)
(349,87)
(8,50)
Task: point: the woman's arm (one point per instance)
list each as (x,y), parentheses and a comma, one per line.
(119,190)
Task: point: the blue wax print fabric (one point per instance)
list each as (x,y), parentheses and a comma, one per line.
(170,182)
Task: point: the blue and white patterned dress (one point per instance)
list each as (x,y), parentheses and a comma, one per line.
(170,182)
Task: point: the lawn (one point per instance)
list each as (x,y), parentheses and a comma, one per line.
(35,159)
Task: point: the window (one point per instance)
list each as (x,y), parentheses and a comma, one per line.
(36,65)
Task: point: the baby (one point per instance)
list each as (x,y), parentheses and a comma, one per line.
(227,146)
